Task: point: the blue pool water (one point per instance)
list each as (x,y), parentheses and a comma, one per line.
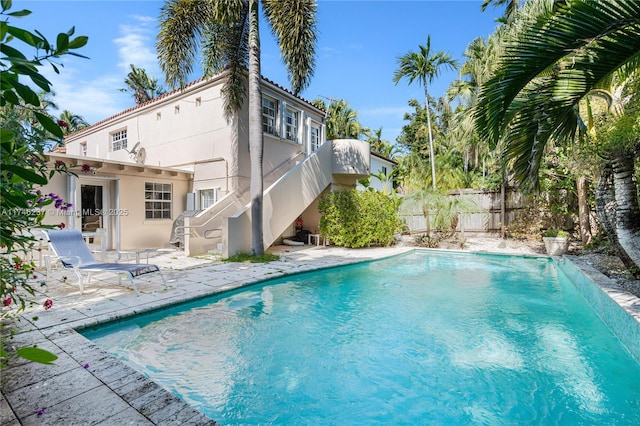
(425,338)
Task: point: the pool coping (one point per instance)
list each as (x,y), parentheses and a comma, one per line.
(89,386)
(618,309)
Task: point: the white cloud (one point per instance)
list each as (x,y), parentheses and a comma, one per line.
(93,99)
(137,45)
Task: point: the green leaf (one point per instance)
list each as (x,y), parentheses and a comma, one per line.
(10,97)
(26,174)
(24,35)
(45,44)
(49,124)
(6,135)
(35,76)
(27,94)
(62,42)
(6,5)
(78,42)
(11,200)
(78,55)
(36,355)
(19,13)
(11,52)
(3,29)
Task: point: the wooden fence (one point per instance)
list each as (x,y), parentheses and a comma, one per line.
(487,218)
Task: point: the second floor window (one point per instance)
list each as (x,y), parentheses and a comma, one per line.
(315,138)
(269,116)
(119,140)
(291,125)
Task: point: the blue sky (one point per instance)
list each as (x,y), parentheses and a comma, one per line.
(359,43)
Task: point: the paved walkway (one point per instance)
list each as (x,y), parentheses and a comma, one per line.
(85,385)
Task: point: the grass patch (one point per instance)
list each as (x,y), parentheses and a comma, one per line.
(249,258)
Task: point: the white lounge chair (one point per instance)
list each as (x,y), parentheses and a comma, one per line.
(70,249)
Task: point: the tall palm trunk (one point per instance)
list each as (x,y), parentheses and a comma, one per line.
(628,210)
(607,211)
(431,151)
(583,210)
(256,139)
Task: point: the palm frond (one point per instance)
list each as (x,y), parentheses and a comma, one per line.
(293,23)
(181,25)
(595,38)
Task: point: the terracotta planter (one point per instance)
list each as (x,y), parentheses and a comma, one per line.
(556,246)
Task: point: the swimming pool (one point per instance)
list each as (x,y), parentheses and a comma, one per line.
(428,337)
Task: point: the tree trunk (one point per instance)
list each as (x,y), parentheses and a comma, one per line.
(256,137)
(503,202)
(583,210)
(606,211)
(432,154)
(606,205)
(628,210)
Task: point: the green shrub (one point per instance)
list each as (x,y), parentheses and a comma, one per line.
(553,232)
(359,218)
(252,258)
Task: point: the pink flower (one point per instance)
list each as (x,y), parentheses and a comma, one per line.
(86,365)
(62,225)
(48,304)
(85,168)
(7,301)
(40,412)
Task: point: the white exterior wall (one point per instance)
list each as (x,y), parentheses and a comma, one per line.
(378,164)
(184,128)
(123,204)
(174,130)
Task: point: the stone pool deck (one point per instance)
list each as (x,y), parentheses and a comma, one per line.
(86,386)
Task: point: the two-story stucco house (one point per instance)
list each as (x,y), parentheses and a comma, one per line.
(175,169)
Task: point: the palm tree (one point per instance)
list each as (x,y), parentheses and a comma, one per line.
(70,122)
(141,85)
(510,10)
(553,58)
(379,145)
(424,66)
(341,120)
(228,33)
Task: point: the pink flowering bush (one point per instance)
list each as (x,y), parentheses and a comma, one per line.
(26,131)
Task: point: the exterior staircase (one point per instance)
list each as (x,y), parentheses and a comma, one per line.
(225,227)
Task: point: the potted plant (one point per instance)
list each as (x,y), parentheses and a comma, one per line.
(555,241)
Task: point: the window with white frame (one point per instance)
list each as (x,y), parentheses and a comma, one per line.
(157,200)
(291,125)
(83,149)
(315,138)
(269,111)
(119,140)
(208,197)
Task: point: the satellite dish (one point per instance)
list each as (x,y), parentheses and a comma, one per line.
(141,156)
(133,154)
(133,150)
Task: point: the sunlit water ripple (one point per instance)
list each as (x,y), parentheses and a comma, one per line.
(425,338)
